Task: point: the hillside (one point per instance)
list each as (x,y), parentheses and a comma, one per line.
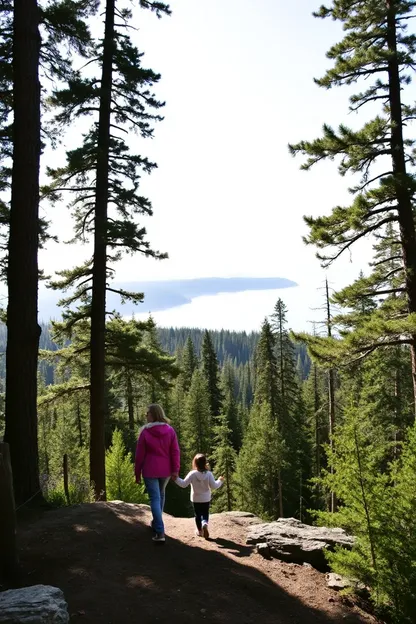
(103,559)
(238,347)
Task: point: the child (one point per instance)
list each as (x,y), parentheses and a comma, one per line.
(202,481)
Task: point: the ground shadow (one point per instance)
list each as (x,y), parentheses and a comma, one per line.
(110,571)
(238,550)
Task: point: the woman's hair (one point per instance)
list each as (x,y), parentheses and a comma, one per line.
(199,462)
(157,413)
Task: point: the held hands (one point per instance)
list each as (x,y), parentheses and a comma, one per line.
(221,479)
(174,476)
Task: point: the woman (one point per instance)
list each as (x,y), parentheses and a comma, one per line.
(157,459)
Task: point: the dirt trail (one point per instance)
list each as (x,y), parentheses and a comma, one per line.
(102,557)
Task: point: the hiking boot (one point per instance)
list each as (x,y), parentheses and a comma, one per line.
(205,532)
(159,537)
(199,533)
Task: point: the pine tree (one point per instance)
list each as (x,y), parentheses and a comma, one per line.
(260,462)
(257,482)
(230,405)
(120,473)
(315,399)
(224,457)
(292,415)
(210,370)
(197,422)
(189,363)
(375,46)
(267,383)
(22,273)
(21,216)
(104,179)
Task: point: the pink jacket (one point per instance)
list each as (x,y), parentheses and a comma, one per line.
(157,451)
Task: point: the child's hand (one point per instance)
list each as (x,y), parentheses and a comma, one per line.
(221,479)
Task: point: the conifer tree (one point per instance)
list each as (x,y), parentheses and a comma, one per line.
(210,370)
(22,272)
(375,46)
(257,482)
(120,473)
(267,384)
(315,399)
(224,457)
(230,406)
(292,414)
(189,363)
(260,462)
(21,216)
(104,179)
(197,427)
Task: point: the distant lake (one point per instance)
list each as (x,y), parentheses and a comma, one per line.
(243,310)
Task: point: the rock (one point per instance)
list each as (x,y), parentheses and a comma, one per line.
(336,581)
(39,604)
(290,540)
(263,550)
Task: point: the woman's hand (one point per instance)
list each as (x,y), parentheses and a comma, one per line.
(174,476)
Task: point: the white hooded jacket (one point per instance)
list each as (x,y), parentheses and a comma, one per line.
(201,485)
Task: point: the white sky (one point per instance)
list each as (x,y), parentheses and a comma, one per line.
(237,77)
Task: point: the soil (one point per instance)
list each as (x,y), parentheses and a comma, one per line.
(102,556)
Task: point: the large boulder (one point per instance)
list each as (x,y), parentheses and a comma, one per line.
(290,540)
(38,604)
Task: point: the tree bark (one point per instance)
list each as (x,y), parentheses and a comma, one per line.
(403,192)
(23,330)
(99,272)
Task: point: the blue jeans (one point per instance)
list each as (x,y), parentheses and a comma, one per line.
(156,490)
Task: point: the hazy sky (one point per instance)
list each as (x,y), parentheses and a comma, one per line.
(237,77)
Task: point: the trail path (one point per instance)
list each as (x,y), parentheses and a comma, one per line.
(101,555)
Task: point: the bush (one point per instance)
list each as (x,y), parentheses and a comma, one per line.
(79,489)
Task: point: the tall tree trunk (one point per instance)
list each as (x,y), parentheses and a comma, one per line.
(99,272)
(403,192)
(331,397)
(23,330)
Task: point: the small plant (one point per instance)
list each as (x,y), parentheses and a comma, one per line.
(120,480)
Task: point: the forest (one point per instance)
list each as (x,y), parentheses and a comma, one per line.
(316,425)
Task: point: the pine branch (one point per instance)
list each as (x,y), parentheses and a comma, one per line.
(357,237)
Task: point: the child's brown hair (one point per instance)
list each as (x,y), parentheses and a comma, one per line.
(199,462)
